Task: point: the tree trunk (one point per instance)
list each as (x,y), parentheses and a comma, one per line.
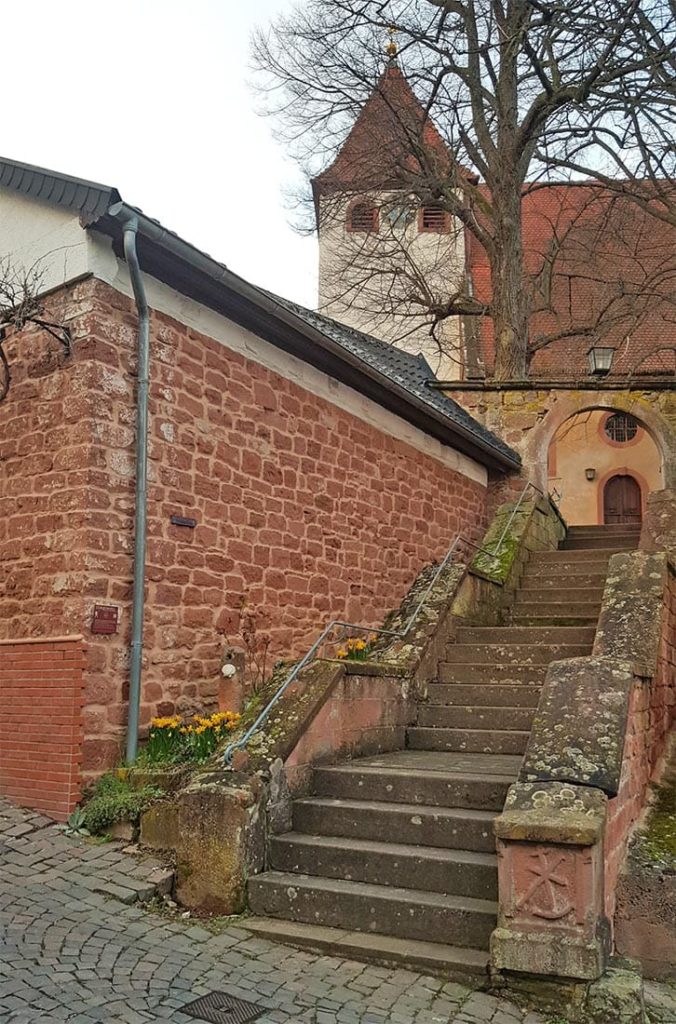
(509,300)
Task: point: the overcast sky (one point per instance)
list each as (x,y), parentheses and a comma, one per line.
(152,96)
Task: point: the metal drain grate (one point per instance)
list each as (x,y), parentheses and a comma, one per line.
(220,1008)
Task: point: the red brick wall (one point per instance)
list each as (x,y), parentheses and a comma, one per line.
(41,696)
(609,273)
(652,710)
(304,511)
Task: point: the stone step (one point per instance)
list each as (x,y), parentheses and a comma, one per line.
(542,618)
(456,872)
(612,544)
(598,558)
(504,695)
(536,589)
(603,530)
(480,741)
(446,716)
(431,958)
(512,654)
(449,828)
(491,673)
(405,913)
(413,785)
(578,576)
(524,635)
(559,609)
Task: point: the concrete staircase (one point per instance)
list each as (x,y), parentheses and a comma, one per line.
(393,857)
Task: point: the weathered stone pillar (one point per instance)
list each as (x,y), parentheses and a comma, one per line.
(551,876)
(659,524)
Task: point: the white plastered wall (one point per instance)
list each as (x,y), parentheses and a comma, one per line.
(32,231)
(367,300)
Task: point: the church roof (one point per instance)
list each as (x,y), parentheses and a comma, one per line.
(377,153)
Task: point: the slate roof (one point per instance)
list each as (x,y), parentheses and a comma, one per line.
(407,373)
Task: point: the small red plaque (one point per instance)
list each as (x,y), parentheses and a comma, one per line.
(104,619)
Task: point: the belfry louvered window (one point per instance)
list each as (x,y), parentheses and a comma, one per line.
(433,217)
(363,217)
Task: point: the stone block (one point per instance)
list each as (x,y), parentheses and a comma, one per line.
(546,955)
(551,916)
(159,826)
(630,623)
(579,730)
(552,812)
(220,841)
(617,996)
(659,523)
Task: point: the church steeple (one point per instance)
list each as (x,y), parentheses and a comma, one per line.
(378,152)
(376,240)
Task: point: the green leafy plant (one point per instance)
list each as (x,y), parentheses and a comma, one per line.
(76,825)
(114,800)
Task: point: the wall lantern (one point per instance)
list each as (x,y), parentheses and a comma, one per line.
(590,474)
(600,360)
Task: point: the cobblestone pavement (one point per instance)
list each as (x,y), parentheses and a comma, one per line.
(75,946)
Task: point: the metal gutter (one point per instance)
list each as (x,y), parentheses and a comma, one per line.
(130,225)
(217,273)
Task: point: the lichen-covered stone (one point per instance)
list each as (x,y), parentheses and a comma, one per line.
(579,729)
(159,826)
(508,535)
(552,812)
(645,916)
(630,623)
(221,840)
(659,523)
(616,996)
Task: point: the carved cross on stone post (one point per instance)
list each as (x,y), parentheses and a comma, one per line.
(551,873)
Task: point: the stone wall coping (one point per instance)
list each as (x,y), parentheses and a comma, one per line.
(484,576)
(552,812)
(372,668)
(68,638)
(579,728)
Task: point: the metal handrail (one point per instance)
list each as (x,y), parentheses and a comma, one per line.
(394,634)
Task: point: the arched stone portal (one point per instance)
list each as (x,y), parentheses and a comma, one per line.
(602,464)
(527,418)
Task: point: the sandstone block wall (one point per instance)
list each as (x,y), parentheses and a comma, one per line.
(652,710)
(303,510)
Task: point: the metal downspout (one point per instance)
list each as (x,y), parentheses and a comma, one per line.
(130,228)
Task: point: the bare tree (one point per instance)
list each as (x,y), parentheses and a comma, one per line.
(519,91)
(22,303)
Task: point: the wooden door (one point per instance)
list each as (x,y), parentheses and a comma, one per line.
(622,500)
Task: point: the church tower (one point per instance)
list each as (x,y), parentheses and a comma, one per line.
(387,247)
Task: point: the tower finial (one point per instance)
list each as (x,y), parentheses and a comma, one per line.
(391,48)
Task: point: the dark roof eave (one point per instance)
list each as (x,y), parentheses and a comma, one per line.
(330,357)
(89,199)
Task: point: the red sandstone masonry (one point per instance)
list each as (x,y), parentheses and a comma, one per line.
(652,710)
(41,697)
(303,510)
